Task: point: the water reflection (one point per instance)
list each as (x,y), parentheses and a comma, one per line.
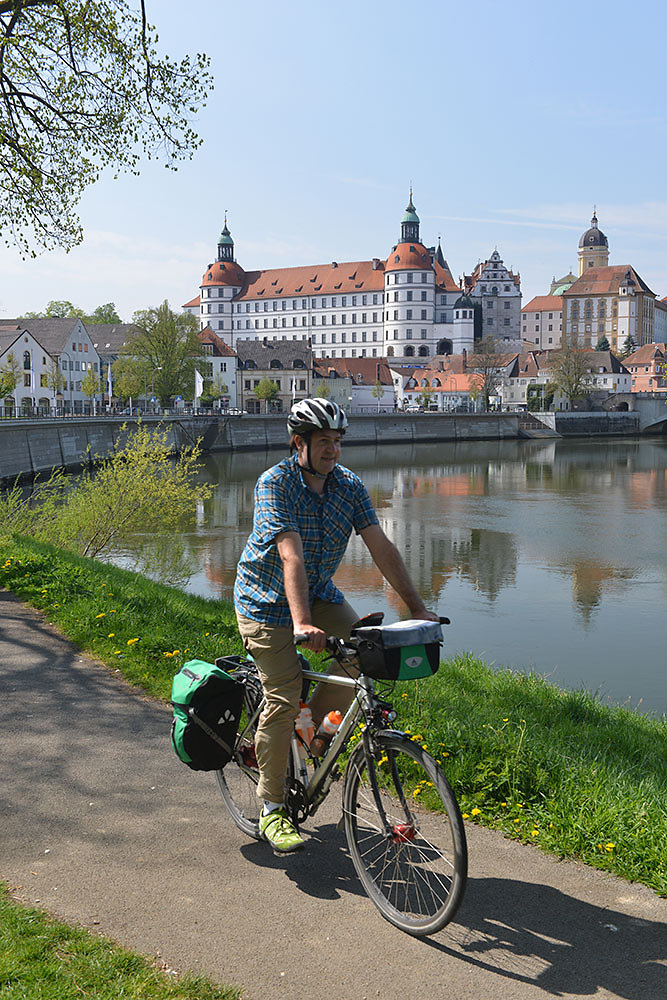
(546,554)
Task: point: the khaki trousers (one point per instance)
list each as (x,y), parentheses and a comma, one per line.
(273,650)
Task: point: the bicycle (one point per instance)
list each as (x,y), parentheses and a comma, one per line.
(396,800)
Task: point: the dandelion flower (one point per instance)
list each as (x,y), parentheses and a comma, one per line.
(534,833)
(517,820)
(466,815)
(103,615)
(609,847)
(475,812)
(503,804)
(506,720)
(111,635)
(131,642)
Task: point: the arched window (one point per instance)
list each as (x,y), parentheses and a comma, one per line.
(423,351)
(250,364)
(409,352)
(298,363)
(494,290)
(390,352)
(424,383)
(275,363)
(26,361)
(435,384)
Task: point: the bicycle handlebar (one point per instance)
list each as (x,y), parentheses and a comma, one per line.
(332,640)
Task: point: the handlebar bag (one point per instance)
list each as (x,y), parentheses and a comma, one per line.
(401,651)
(207,704)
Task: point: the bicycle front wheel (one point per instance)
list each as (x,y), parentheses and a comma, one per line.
(405,834)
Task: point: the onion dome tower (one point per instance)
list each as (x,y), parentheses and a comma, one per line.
(220,284)
(410,224)
(593,248)
(409,281)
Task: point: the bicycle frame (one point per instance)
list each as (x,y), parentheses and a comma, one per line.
(318,784)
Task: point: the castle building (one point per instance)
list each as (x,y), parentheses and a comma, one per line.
(496,291)
(405,305)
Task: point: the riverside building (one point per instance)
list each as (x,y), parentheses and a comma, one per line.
(405,305)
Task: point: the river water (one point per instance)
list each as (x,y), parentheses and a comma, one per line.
(548,556)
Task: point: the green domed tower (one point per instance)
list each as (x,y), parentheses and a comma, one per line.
(225,244)
(410,224)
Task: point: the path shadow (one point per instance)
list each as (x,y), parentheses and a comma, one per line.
(539,935)
(323,869)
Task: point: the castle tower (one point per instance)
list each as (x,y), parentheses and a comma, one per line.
(593,248)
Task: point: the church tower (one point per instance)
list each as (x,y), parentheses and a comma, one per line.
(593,248)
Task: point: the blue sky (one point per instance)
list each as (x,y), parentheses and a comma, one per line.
(510,120)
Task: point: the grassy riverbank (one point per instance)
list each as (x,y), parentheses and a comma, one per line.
(46,958)
(552,768)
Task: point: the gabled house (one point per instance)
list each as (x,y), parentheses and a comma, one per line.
(288,363)
(218,365)
(68,344)
(648,368)
(371,386)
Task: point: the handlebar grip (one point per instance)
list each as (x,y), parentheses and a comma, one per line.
(444,621)
(300,637)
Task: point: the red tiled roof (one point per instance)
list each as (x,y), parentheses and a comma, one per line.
(410,256)
(368,368)
(645,355)
(443,279)
(605,281)
(544,303)
(316,279)
(223,272)
(193,302)
(220,348)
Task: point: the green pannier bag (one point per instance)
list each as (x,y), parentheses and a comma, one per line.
(402,651)
(207,704)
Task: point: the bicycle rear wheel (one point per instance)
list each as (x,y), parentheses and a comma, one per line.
(239,778)
(405,834)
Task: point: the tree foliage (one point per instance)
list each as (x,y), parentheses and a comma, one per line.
(266,390)
(602,344)
(487,361)
(82,88)
(64,309)
(628,347)
(139,487)
(570,371)
(161,356)
(10,372)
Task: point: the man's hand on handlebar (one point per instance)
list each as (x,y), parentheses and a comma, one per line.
(310,637)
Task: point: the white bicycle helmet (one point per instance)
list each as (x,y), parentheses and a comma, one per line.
(309,415)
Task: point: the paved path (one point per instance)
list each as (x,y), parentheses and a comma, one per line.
(102,825)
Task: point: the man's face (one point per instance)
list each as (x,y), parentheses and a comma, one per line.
(324,450)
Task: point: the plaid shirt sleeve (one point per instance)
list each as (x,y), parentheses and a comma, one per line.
(274,510)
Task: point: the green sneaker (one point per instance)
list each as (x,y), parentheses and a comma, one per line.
(280,832)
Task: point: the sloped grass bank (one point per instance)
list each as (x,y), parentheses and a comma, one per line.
(553,768)
(46,958)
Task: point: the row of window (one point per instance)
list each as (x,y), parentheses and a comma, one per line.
(489,304)
(407,277)
(490,321)
(282,305)
(75,366)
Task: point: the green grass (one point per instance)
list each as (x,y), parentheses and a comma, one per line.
(46,959)
(557,769)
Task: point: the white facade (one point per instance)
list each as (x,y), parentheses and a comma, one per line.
(497,291)
(73,358)
(401,307)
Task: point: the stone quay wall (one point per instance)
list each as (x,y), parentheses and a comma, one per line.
(32,447)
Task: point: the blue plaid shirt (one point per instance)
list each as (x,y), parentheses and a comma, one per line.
(284,502)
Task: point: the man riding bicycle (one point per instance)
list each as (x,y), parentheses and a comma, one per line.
(306,508)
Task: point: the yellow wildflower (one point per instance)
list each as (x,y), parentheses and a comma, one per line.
(466,815)
(111,635)
(476,812)
(609,847)
(131,642)
(503,804)
(534,833)
(103,615)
